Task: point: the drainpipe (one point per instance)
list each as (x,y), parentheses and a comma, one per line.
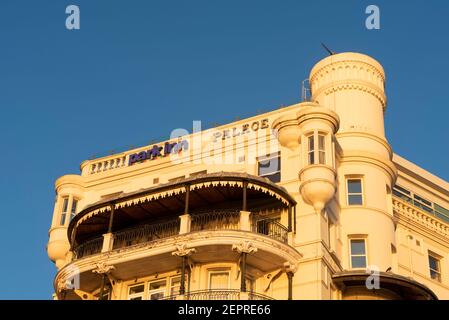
(243,269)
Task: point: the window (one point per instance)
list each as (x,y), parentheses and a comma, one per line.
(316,153)
(175,285)
(321,149)
(434,267)
(219,280)
(270,167)
(441,212)
(73,210)
(422,203)
(358,253)
(355,195)
(311,152)
(156,289)
(136,292)
(65,205)
(402,193)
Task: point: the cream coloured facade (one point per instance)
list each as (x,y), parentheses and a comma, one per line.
(304,202)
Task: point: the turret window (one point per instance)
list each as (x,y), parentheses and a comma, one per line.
(73,209)
(321,149)
(358,253)
(316,151)
(65,206)
(311,152)
(355,193)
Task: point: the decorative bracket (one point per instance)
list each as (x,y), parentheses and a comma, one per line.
(103,268)
(182,250)
(244,247)
(290,267)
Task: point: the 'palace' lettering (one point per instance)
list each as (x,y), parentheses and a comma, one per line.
(246,128)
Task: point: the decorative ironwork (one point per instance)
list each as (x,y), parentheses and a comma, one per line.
(207,221)
(216,220)
(89,248)
(271,228)
(258,296)
(223,294)
(145,233)
(218,294)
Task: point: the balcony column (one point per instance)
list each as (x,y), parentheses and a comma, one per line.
(71,253)
(290,285)
(290,269)
(183,252)
(245,187)
(104,270)
(186,207)
(289,218)
(244,248)
(108,238)
(185,223)
(245,221)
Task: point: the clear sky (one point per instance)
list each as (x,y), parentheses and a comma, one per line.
(136,70)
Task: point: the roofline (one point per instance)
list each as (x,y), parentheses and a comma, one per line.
(421,174)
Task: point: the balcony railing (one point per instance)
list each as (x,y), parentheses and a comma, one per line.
(89,248)
(145,233)
(271,228)
(213,220)
(217,294)
(216,220)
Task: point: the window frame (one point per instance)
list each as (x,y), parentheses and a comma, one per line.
(321,152)
(155,291)
(311,149)
(269,157)
(315,154)
(171,286)
(64,210)
(73,206)
(137,295)
(364,239)
(437,258)
(362,190)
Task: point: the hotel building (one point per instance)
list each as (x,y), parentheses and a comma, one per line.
(307,201)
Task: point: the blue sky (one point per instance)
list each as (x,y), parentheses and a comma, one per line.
(138,69)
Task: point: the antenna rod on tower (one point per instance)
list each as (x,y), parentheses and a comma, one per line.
(328,50)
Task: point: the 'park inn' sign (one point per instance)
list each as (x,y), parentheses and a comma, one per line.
(158,151)
(168,148)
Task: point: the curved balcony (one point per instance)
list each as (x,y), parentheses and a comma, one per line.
(208,221)
(220,216)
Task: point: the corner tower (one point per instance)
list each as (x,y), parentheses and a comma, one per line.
(353,86)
